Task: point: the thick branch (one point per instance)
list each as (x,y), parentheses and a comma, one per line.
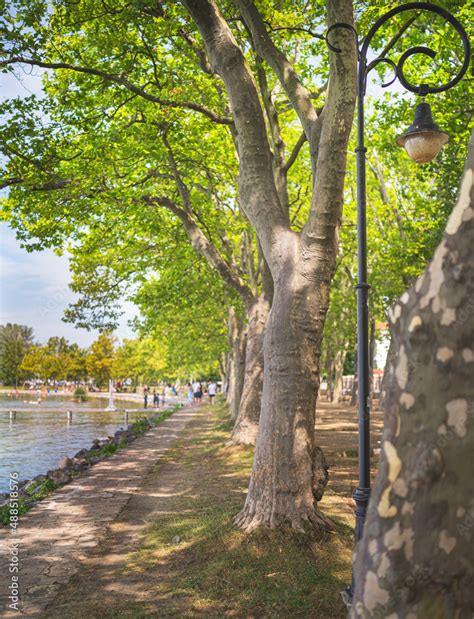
(277,142)
(123,81)
(300,98)
(321,230)
(203,245)
(258,195)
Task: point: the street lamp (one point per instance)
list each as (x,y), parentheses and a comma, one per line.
(422,141)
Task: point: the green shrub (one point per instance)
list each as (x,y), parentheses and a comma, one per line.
(80,394)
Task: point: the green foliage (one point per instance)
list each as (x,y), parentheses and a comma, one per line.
(100,360)
(15,341)
(142,360)
(80,394)
(111,131)
(56,360)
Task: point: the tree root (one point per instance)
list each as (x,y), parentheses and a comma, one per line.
(244,433)
(249,520)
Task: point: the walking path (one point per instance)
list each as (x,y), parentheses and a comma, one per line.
(56,535)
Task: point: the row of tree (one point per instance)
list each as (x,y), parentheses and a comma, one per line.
(197,156)
(137,360)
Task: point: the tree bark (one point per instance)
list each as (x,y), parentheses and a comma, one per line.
(281,487)
(338,374)
(237,340)
(246,425)
(416,557)
(386,374)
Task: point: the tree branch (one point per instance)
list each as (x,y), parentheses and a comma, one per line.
(321,229)
(123,81)
(203,245)
(295,152)
(300,98)
(258,195)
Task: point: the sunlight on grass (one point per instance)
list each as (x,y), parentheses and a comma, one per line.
(207,565)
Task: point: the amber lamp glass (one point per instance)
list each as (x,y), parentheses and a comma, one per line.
(423,139)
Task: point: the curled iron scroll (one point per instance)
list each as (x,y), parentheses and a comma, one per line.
(341,25)
(387,61)
(422,89)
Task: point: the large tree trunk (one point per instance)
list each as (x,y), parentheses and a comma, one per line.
(283,477)
(416,558)
(246,425)
(301,264)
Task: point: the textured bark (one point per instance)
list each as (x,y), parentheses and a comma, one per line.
(282,483)
(416,558)
(237,340)
(386,374)
(301,265)
(246,425)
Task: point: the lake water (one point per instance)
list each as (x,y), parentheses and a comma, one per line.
(38,439)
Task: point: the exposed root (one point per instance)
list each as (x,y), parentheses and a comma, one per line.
(244,433)
(249,519)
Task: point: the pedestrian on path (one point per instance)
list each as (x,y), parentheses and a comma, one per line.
(197,389)
(156,399)
(145,396)
(190,393)
(211,392)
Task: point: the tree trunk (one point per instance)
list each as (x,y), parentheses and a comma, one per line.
(386,374)
(286,457)
(246,425)
(416,557)
(301,264)
(338,374)
(237,340)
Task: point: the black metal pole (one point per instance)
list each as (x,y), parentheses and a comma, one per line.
(362,493)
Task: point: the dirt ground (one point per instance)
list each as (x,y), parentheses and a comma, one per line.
(126,577)
(337,435)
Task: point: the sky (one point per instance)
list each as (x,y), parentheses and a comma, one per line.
(34,286)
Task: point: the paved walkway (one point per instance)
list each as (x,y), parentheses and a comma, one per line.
(58,532)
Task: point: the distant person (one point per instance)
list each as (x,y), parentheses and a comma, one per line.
(156,399)
(211,392)
(198,393)
(145,396)
(163,394)
(190,393)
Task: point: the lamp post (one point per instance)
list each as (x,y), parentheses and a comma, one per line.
(422,141)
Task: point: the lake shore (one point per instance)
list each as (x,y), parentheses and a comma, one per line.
(57,533)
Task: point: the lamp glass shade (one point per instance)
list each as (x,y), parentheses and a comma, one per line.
(423,147)
(423,139)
